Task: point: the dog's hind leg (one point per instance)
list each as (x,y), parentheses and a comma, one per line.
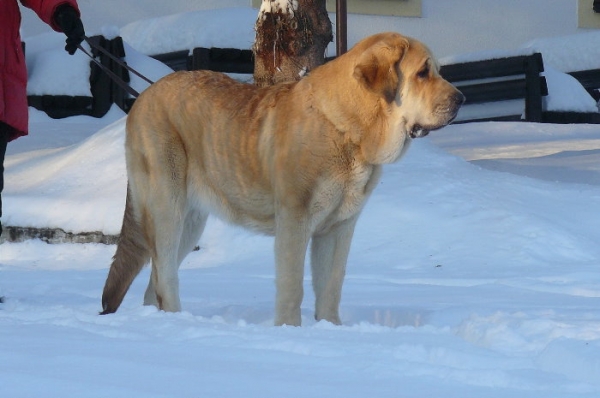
(164,208)
(192,230)
(167,224)
(329,254)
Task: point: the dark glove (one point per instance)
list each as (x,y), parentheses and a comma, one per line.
(67,19)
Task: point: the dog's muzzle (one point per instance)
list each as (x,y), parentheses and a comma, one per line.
(447,114)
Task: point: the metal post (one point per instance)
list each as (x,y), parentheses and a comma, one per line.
(341,27)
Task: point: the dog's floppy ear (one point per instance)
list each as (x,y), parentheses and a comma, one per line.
(377,68)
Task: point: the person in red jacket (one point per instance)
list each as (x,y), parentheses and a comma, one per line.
(62,16)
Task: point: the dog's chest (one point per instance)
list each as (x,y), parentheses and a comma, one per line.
(342,196)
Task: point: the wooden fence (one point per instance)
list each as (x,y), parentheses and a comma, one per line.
(106,92)
(482,82)
(502,79)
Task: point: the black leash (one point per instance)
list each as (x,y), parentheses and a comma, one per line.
(117,79)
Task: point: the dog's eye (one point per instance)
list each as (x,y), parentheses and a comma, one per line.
(424,72)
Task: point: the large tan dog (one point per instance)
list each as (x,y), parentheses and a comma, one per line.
(295,160)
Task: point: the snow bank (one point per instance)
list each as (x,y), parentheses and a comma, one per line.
(53,71)
(565,93)
(569,53)
(91,172)
(461,282)
(148,67)
(194,29)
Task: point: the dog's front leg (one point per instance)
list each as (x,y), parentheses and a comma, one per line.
(329,254)
(291,241)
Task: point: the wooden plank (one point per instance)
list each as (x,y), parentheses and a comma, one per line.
(493,68)
(588,78)
(176,60)
(100,82)
(534,89)
(495,91)
(571,117)
(227,60)
(61,106)
(508,118)
(201,59)
(118,94)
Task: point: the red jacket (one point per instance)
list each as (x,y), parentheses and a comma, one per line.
(13,72)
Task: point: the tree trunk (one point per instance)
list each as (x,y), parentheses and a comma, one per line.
(291,38)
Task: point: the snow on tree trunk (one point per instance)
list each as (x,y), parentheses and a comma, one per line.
(291,38)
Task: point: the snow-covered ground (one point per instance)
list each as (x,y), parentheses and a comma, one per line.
(474,272)
(462,281)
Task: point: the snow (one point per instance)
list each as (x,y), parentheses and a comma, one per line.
(448,27)
(46,61)
(569,53)
(283,6)
(180,31)
(560,55)
(473,273)
(53,71)
(566,94)
(566,53)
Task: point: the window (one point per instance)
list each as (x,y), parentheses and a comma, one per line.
(587,18)
(401,8)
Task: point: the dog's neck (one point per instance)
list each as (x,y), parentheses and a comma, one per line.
(363,126)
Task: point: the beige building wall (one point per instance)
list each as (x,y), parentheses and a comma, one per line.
(449,27)
(398,8)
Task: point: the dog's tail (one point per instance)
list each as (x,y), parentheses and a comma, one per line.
(131,256)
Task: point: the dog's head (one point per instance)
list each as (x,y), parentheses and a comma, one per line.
(384,91)
(405,75)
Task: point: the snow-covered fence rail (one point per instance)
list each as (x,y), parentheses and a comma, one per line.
(59,106)
(502,79)
(590,80)
(176,60)
(104,91)
(507,88)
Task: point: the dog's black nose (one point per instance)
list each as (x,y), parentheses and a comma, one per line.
(458,98)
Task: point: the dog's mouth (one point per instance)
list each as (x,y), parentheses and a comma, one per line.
(418,131)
